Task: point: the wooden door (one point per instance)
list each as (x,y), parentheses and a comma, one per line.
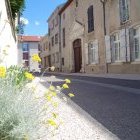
(77,55)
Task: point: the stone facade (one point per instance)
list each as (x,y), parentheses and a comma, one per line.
(44,52)
(53,38)
(8,39)
(128,63)
(97,37)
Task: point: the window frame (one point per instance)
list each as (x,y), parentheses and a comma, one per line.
(124,10)
(91,57)
(117,41)
(138,37)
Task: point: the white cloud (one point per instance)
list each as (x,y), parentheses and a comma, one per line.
(37,23)
(24,20)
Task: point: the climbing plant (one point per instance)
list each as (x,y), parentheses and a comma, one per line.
(17,7)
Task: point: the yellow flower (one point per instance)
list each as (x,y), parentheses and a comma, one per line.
(26,137)
(52,88)
(67,81)
(65,86)
(52,122)
(29,76)
(2,71)
(55,104)
(55,115)
(36,58)
(71,94)
(52,68)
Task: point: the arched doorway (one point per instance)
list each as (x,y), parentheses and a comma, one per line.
(77,55)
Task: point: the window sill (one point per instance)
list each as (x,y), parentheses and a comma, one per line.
(117,63)
(136,61)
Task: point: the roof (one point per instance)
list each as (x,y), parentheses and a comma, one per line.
(65,6)
(31,38)
(57,8)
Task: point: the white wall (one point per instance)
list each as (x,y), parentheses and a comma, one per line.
(7,41)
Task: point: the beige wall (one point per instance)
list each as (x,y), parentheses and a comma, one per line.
(113,25)
(73,14)
(8,42)
(54,29)
(44,51)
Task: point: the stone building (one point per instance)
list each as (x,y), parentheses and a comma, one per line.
(8,38)
(53,38)
(83,33)
(44,52)
(27,46)
(97,36)
(123,36)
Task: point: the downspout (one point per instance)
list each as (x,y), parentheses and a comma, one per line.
(104,22)
(60,50)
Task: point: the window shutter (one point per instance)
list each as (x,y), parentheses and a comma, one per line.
(108,49)
(96,52)
(122,46)
(112,49)
(90,19)
(86,53)
(121,10)
(131,43)
(128,45)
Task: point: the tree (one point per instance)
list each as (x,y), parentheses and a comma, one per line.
(17,7)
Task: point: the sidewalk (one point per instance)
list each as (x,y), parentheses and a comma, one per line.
(114,76)
(76,123)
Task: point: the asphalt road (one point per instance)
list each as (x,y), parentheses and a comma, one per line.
(114,103)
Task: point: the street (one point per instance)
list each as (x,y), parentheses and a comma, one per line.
(114,103)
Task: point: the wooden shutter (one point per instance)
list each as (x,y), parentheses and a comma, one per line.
(121,10)
(96,51)
(112,49)
(131,43)
(108,49)
(90,19)
(86,53)
(122,46)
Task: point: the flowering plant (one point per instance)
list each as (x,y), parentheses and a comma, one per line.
(22,110)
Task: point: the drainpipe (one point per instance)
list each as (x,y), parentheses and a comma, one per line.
(104,20)
(60,50)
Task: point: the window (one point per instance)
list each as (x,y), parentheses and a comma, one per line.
(124,11)
(56,38)
(63,16)
(25,56)
(91,53)
(90,19)
(53,58)
(26,63)
(63,61)
(57,57)
(53,41)
(25,47)
(116,46)
(76,2)
(49,46)
(137,43)
(49,31)
(56,20)
(63,37)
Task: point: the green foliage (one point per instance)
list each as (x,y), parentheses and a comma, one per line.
(17,7)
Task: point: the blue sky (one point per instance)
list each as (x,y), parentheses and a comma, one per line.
(37,13)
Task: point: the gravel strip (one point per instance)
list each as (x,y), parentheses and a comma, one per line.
(75,123)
